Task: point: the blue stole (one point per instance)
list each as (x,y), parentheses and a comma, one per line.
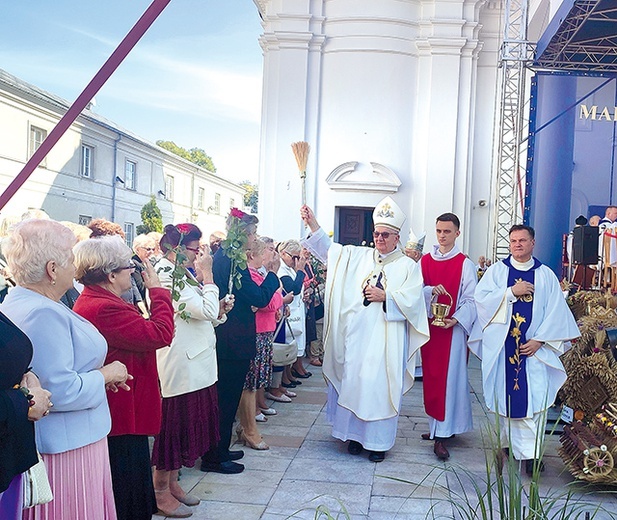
(522,314)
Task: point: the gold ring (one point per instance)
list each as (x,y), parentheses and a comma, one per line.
(50,404)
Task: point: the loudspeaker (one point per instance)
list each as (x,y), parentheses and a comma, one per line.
(585,245)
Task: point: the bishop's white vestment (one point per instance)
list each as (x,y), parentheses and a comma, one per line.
(543,374)
(370,350)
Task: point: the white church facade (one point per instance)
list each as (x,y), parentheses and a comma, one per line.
(395,97)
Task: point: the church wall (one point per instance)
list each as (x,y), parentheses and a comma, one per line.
(389,93)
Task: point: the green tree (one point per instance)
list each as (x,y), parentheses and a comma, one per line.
(251,197)
(197,156)
(151,218)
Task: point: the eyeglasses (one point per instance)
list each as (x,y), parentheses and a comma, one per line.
(147,248)
(293,257)
(384,234)
(130,266)
(194,249)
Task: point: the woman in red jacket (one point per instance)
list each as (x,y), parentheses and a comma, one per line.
(104,266)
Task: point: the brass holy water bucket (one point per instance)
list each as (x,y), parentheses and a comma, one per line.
(440,310)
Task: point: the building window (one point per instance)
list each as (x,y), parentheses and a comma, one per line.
(37,136)
(87,153)
(129,232)
(169,187)
(217,203)
(232,203)
(130,175)
(201,193)
(84,220)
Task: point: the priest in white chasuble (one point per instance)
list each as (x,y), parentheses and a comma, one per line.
(523,326)
(375,322)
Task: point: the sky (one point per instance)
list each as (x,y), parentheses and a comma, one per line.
(195,78)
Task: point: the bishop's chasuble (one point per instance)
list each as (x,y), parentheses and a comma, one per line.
(370,348)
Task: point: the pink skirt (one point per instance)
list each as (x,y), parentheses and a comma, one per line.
(80,480)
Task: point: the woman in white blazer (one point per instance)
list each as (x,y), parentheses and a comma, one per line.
(187,368)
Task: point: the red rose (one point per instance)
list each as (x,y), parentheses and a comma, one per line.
(235,212)
(184,228)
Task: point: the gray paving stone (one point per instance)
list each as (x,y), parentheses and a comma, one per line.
(292,482)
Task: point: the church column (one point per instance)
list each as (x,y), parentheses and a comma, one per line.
(448,47)
(291,44)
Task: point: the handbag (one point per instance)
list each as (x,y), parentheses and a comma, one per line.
(36,488)
(284,354)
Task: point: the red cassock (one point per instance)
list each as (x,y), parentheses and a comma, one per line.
(436,352)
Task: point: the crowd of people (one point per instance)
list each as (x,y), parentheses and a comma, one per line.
(104,347)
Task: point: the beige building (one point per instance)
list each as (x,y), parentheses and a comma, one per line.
(100,170)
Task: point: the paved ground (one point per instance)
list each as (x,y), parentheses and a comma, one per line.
(306,469)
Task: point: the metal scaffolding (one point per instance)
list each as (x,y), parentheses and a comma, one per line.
(516,54)
(586,39)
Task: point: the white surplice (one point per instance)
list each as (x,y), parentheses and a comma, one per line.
(369,357)
(458,418)
(552,324)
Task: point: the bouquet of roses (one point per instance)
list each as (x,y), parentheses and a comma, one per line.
(234,247)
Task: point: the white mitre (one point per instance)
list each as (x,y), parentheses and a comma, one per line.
(414,242)
(388,213)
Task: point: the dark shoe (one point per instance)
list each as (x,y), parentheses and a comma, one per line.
(295,373)
(427,437)
(376,456)
(289,385)
(441,451)
(529,466)
(228,467)
(296,382)
(235,455)
(354,447)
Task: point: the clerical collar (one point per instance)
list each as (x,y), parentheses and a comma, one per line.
(438,255)
(522,266)
(385,259)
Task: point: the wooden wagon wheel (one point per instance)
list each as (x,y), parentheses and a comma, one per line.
(598,461)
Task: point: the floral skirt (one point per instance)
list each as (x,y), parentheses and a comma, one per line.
(260,370)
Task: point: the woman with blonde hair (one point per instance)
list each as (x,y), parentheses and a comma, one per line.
(68,357)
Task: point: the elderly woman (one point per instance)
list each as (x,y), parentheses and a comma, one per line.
(104,267)
(144,247)
(187,368)
(260,370)
(68,356)
(292,275)
(22,401)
